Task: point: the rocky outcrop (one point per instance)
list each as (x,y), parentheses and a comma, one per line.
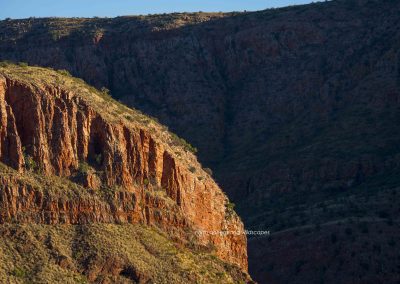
(55,132)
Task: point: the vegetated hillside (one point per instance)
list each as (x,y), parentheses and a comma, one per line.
(91,190)
(289,107)
(104,253)
(336,237)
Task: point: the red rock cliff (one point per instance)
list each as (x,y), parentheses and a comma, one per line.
(60,128)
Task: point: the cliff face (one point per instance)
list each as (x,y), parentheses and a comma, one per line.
(131,173)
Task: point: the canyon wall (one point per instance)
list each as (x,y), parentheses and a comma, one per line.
(59,131)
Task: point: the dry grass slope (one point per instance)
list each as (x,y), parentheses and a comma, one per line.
(103,253)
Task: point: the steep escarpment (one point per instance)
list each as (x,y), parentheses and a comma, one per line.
(72,155)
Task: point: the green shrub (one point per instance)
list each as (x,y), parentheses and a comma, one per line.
(83,168)
(230,206)
(229,209)
(128,117)
(108,193)
(5,63)
(98,158)
(30,163)
(64,72)
(105,91)
(192,169)
(186,145)
(23,64)
(189,147)
(208,171)
(18,272)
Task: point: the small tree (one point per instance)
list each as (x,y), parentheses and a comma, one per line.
(230,206)
(64,72)
(30,163)
(105,91)
(208,171)
(23,64)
